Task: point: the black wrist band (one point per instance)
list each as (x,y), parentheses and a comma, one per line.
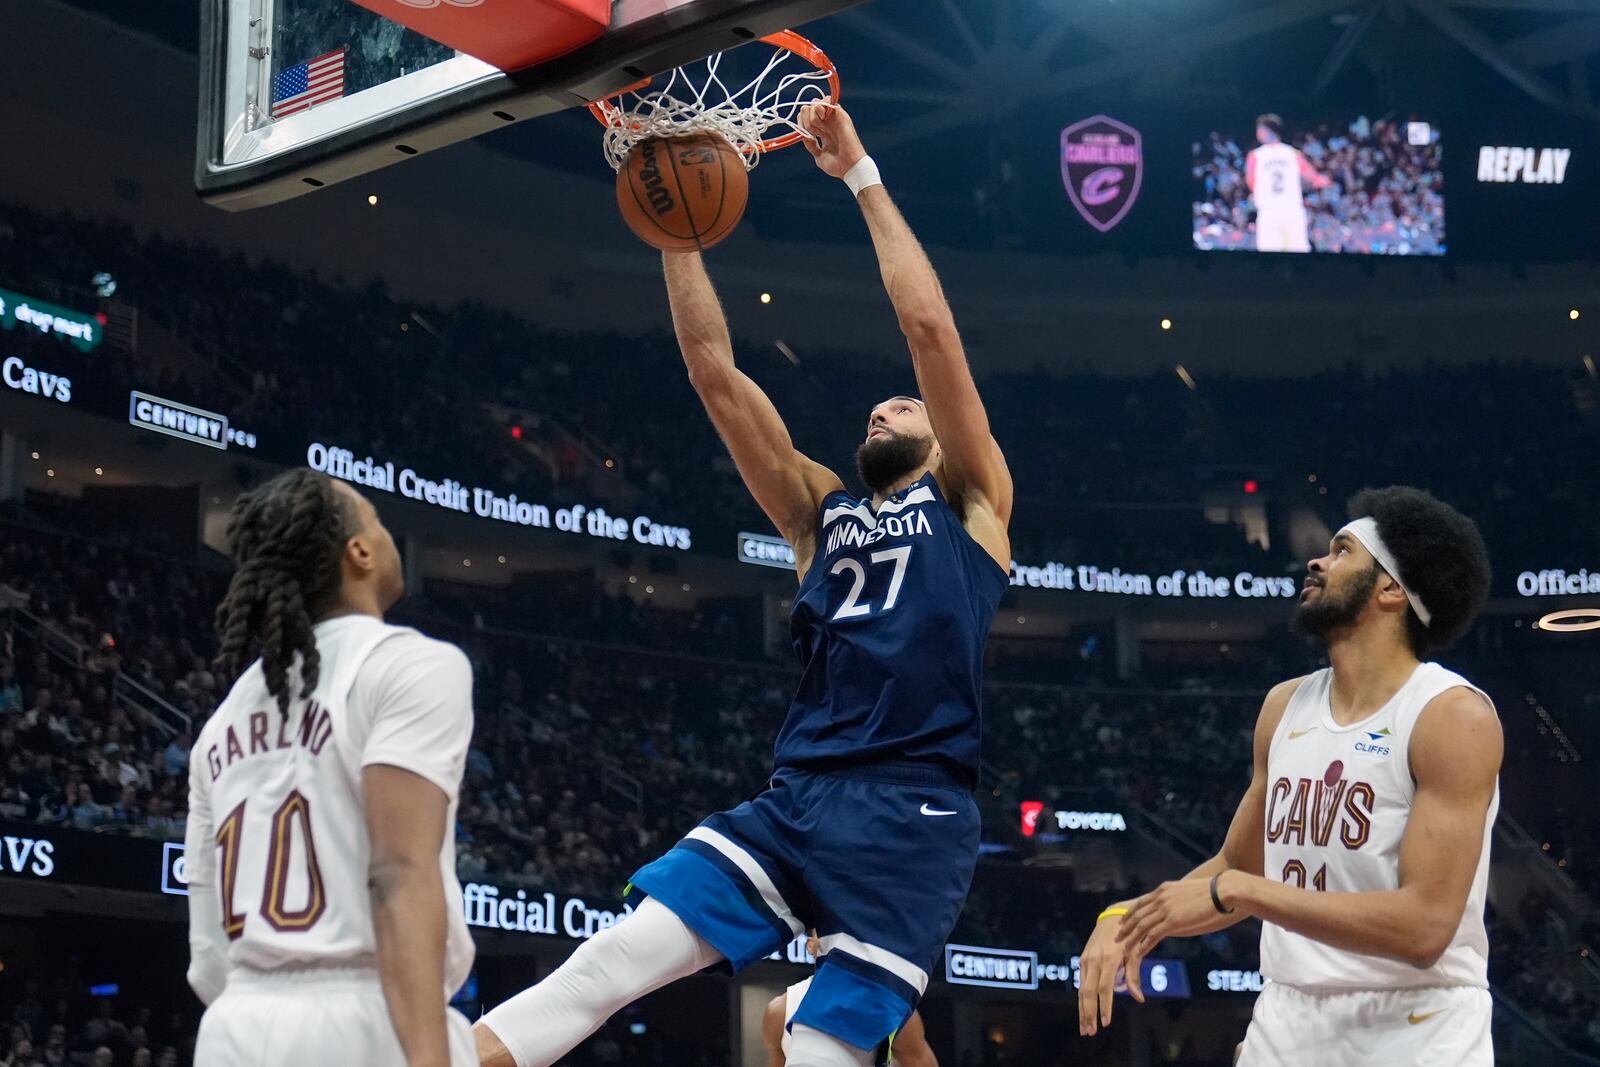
(1216,901)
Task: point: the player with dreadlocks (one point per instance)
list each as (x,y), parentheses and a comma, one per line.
(325,919)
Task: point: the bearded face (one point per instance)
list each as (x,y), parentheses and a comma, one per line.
(887,456)
(1329,606)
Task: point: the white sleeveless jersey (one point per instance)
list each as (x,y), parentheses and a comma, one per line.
(1337,808)
(277,822)
(1278,190)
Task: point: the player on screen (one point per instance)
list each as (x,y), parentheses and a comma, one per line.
(1276,174)
(910,1044)
(1362,842)
(867,830)
(325,919)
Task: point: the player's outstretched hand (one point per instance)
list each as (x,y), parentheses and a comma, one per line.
(1098,967)
(1173,909)
(831,138)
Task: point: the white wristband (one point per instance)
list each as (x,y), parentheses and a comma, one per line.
(864,175)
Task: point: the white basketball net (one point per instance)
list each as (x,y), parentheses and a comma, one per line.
(696,99)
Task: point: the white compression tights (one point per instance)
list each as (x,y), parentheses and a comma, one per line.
(647,950)
(813,1048)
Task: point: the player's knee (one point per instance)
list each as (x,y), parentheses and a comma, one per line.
(590,973)
(813,1048)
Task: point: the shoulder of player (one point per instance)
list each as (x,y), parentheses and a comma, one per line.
(415,650)
(822,488)
(1459,714)
(821,481)
(1278,697)
(1457,737)
(987,524)
(967,499)
(1273,708)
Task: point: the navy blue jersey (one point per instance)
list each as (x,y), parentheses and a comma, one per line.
(890,625)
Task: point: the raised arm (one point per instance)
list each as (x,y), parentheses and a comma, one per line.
(788,486)
(1455,759)
(1243,849)
(973,463)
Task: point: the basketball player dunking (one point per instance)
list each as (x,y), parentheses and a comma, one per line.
(1363,840)
(325,921)
(1276,174)
(910,1044)
(867,830)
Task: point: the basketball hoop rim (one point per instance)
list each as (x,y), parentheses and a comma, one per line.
(607,111)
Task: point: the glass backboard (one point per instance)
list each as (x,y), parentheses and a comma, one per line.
(300,94)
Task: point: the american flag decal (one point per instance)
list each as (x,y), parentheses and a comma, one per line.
(308,84)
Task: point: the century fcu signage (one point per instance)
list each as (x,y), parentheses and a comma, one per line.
(1023,971)
(192,424)
(765,551)
(993,968)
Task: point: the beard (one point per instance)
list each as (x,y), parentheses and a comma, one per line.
(882,461)
(1330,613)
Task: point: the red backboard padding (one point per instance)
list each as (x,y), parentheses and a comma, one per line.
(510,34)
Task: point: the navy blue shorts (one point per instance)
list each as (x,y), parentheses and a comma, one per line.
(877,860)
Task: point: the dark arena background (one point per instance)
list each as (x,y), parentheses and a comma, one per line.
(475,340)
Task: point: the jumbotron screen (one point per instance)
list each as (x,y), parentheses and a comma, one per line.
(1284,184)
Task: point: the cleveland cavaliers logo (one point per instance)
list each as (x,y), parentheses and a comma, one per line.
(1102,164)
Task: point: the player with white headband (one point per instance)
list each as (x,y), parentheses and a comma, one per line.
(1363,841)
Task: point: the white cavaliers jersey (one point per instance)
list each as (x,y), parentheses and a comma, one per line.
(277,824)
(1277,190)
(1337,808)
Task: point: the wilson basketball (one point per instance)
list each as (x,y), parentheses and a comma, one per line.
(680,194)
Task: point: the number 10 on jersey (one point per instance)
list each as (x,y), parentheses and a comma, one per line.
(294,813)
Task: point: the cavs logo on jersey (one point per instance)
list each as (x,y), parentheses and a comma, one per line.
(1102,163)
(1306,812)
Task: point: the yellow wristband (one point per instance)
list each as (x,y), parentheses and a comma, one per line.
(1109,912)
